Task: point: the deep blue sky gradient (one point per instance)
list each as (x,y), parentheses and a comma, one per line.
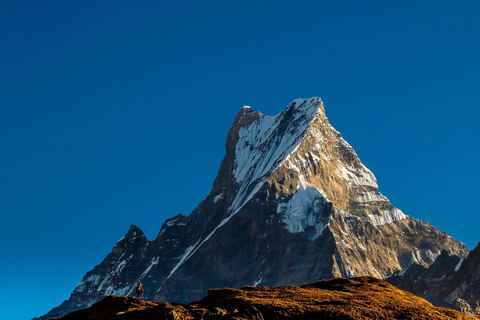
(115,113)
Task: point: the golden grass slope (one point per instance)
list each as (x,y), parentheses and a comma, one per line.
(341,298)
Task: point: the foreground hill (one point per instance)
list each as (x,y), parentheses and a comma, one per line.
(292,204)
(355,298)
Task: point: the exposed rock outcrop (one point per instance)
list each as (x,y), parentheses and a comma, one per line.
(451,282)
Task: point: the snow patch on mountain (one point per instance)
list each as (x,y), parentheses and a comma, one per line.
(360,177)
(188,252)
(247,148)
(459,264)
(387,216)
(117,291)
(304,209)
(118,268)
(256,283)
(89,282)
(153,262)
(218,197)
(371,196)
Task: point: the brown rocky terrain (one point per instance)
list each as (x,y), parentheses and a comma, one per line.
(340,298)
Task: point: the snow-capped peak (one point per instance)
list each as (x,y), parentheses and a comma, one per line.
(279,134)
(267,142)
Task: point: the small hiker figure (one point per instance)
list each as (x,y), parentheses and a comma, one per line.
(139,290)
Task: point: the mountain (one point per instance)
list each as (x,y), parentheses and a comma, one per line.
(357,298)
(292,204)
(451,282)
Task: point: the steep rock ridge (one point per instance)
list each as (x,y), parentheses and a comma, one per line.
(451,282)
(462,291)
(109,276)
(292,204)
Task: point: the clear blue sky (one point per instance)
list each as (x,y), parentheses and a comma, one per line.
(116,112)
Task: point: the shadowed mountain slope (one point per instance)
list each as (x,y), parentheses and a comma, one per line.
(450,281)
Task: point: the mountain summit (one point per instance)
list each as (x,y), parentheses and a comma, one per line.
(292,204)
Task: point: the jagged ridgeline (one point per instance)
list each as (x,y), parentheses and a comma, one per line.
(292,204)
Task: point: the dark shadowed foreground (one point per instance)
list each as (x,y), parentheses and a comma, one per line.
(356,298)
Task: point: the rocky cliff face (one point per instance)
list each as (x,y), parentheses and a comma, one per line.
(450,281)
(292,204)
